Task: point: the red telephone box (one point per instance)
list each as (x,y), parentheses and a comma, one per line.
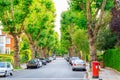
(95,69)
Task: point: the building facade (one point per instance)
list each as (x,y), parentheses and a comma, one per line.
(6,42)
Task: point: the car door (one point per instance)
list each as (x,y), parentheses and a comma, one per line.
(8,68)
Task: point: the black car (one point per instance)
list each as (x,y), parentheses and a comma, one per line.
(34,63)
(44,62)
(67,59)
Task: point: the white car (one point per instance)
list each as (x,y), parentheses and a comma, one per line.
(40,62)
(6,68)
(72,59)
(50,58)
(79,64)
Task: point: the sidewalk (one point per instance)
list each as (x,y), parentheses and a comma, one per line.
(106,74)
(109,74)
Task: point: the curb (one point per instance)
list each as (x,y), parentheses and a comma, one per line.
(108,68)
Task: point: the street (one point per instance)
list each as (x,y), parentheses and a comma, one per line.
(57,69)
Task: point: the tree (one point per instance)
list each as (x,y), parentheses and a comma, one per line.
(12,15)
(115,21)
(93,28)
(39,25)
(70,22)
(80,40)
(47,35)
(106,39)
(24,49)
(53,44)
(94,10)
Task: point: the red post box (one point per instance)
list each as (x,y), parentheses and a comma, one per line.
(95,69)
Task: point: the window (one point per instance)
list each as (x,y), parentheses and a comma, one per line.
(1,40)
(1,49)
(7,40)
(2,65)
(7,51)
(8,65)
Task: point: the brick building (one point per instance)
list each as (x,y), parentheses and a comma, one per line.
(6,42)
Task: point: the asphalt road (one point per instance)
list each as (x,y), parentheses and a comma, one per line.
(58,69)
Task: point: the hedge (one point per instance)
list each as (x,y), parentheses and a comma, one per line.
(112,58)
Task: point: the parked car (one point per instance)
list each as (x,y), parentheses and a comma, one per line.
(48,60)
(79,64)
(34,63)
(72,59)
(6,68)
(51,58)
(44,62)
(54,57)
(67,59)
(40,62)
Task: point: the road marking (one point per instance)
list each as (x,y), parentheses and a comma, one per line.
(44,78)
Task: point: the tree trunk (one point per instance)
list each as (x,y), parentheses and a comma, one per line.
(16,52)
(32,47)
(93,28)
(92,46)
(48,52)
(79,54)
(38,52)
(44,52)
(93,54)
(71,51)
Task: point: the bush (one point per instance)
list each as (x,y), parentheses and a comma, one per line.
(25,55)
(100,57)
(112,58)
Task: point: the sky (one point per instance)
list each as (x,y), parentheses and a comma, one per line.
(60,5)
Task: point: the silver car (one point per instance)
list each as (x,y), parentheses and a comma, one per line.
(6,68)
(72,59)
(79,64)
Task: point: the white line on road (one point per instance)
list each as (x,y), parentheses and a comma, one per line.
(43,79)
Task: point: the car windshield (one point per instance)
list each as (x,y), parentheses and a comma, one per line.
(79,61)
(32,61)
(41,58)
(2,65)
(75,58)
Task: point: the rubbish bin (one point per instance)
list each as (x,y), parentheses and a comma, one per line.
(95,69)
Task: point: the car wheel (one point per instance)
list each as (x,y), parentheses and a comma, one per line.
(37,66)
(5,74)
(71,64)
(84,69)
(11,74)
(73,69)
